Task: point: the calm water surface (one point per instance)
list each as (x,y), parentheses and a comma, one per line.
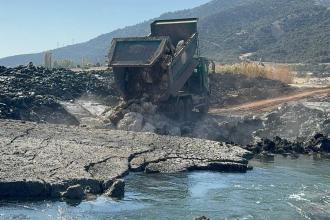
(281,189)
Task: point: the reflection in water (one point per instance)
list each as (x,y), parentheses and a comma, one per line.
(281,189)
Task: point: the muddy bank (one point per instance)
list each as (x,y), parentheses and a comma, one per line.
(33,93)
(41,160)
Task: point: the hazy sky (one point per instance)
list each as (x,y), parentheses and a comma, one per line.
(28,26)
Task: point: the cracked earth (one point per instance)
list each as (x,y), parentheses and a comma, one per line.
(39,160)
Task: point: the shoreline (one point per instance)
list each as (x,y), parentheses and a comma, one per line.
(52,161)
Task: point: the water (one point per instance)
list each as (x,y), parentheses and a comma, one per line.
(282,189)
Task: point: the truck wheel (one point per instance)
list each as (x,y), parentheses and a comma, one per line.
(188,107)
(204,109)
(180,109)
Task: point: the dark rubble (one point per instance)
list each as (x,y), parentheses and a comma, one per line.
(319,143)
(33,93)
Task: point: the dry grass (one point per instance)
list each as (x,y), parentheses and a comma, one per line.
(282,73)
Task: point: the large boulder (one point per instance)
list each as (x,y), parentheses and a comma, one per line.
(202,218)
(132,121)
(149,128)
(319,142)
(174,131)
(117,189)
(149,108)
(75,192)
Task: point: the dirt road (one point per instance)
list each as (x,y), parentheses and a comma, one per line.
(268,104)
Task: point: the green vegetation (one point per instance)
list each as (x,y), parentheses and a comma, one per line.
(277,31)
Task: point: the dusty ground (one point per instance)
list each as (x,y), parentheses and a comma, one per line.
(42,160)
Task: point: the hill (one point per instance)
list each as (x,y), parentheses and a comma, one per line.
(280,31)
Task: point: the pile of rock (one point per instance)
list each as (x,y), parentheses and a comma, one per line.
(37,108)
(302,120)
(238,130)
(142,116)
(32,93)
(318,143)
(290,121)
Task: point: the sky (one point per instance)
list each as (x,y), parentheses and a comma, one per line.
(30,26)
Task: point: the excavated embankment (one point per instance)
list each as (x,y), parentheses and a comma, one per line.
(52,161)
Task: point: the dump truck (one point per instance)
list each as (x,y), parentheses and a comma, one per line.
(164,66)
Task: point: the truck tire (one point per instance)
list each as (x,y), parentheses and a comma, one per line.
(188,107)
(120,75)
(180,110)
(205,108)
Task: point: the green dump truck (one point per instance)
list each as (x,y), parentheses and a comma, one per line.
(164,66)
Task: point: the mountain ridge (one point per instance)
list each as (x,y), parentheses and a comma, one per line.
(289,31)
